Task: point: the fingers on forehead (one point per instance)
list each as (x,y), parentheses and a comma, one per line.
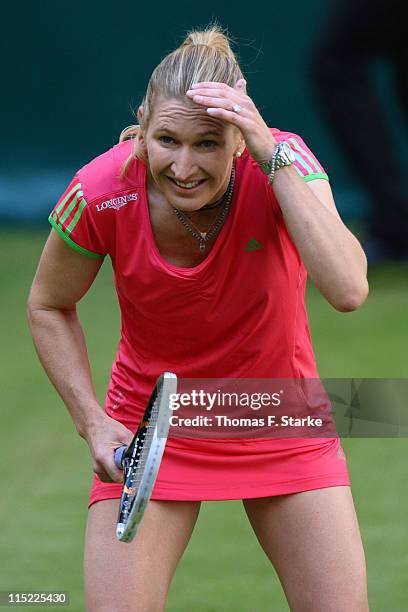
(212,84)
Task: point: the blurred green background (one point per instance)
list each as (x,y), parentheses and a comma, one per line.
(73,71)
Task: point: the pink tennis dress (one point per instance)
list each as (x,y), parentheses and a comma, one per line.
(239,314)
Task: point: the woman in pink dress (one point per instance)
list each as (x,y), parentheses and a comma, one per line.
(212,222)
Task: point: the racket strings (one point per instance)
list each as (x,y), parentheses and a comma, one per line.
(139,457)
(147,441)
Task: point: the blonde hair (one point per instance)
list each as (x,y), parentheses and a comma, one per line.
(203,56)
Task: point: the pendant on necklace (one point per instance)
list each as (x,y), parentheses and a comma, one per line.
(202,244)
(203,235)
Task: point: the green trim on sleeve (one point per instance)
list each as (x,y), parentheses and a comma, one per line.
(81,206)
(71,243)
(305,154)
(304,165)
(317,175)
(76,187)
(76,201)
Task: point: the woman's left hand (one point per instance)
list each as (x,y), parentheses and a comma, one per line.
(220,100)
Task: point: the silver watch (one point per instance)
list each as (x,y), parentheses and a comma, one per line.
(282,156)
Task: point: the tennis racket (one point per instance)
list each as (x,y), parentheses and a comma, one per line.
(140,460)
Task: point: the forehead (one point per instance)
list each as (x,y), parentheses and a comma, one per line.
(184,117)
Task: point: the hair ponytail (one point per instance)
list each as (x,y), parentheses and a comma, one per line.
(213,37)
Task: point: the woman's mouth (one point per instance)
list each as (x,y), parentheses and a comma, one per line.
(186,186)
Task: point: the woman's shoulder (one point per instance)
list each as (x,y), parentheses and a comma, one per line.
(103,176)
(306,163)
(86,214)
(291,137)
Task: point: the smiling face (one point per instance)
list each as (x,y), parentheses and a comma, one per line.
(190,154)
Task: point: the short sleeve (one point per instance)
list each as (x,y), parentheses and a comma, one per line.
(72,218)
(306,164)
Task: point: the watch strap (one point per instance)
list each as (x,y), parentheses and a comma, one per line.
(279,159)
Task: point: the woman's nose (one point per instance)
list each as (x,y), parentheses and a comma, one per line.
(184,166)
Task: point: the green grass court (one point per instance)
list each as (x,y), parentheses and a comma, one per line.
(43,509)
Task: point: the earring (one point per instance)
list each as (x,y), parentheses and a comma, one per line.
(238,154)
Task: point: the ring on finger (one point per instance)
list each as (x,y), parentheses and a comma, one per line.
(237,108)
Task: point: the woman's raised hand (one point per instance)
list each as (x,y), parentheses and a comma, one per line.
(233,105)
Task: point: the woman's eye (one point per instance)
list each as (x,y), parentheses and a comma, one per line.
(208,144)
(205,144)
(166,139)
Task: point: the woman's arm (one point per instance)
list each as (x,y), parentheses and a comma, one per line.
(332,256)
(62,279)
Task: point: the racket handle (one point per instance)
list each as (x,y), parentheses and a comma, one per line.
(119,452)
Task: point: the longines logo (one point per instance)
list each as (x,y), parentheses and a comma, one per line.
(118,202)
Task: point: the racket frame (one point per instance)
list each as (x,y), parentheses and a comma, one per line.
(129,518)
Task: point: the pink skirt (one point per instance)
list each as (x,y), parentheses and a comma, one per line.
(210,470)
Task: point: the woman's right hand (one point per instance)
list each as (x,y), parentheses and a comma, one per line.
(103,438)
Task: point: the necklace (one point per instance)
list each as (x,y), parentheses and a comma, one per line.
(204,237)
(216,204)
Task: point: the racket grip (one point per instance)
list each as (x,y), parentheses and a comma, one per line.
(119,452)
